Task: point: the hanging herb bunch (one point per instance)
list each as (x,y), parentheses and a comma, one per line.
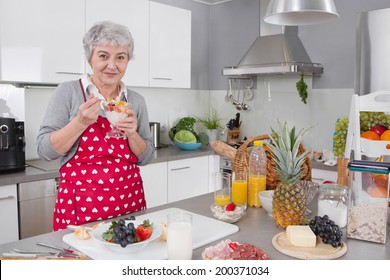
(302,88)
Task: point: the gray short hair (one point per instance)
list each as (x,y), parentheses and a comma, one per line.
(107,33)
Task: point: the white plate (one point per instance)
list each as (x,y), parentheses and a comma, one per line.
(132,248)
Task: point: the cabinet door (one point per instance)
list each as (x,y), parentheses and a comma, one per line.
(319,175)
(154,177)
(187,178)
(41,40)
(9,214)
(135,15)
(170,46)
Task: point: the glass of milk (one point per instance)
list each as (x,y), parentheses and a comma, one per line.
(179,236)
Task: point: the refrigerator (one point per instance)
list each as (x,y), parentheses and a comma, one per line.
(372,70)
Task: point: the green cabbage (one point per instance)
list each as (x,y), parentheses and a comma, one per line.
(185,136)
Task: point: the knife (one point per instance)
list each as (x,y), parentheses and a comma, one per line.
(67,251)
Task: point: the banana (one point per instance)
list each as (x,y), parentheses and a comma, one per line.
(379,159)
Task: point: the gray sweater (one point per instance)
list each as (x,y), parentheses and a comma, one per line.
(63,107)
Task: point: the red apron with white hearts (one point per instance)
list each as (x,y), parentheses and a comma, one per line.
(101,181)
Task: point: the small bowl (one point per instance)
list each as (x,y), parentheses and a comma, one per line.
(129,249)
(188,146)
(266,200)
(220,213)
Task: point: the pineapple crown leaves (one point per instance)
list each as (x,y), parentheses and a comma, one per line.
(285,148)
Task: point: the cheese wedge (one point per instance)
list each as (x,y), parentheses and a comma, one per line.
(301,236)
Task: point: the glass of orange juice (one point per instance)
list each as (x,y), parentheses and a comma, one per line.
(240,189)
(222,189)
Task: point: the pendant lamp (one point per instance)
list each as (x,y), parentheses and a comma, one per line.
(300,12)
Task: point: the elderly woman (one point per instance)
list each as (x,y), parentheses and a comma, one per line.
(99,176)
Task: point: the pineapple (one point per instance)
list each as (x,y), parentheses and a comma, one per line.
(289,204)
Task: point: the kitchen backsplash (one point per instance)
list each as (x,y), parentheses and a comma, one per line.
(282,101)
(324,107)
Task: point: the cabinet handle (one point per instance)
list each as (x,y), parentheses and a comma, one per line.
(180,168)
(68,73)
(165,79)
(7,197)
(322,179)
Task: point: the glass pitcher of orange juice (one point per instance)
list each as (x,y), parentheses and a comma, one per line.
(240,189)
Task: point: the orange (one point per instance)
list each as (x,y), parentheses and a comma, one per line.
(385,135)
(372,135)
(377,192)
(380,180)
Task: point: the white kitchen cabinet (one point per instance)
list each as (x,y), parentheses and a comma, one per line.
(41,40)
(135,15)
(155,181)
(170,46)
(9,214)
(187,178)
(320,175)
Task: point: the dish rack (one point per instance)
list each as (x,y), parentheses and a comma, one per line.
(378,101)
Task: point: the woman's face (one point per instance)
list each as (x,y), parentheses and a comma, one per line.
(109,64)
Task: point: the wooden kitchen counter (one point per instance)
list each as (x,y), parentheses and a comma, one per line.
(256,228)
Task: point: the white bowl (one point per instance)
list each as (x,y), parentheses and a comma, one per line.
(133,248)
(266,200)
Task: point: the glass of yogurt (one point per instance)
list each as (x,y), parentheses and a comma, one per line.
(115,111)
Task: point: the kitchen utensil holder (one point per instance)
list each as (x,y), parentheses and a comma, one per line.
(241,162)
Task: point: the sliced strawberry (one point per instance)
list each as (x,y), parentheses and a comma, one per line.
(144,231)
(233,245)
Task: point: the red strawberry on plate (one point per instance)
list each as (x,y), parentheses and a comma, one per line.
(144,231)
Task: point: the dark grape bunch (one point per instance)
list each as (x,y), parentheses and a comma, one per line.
(121,234)
(327,230)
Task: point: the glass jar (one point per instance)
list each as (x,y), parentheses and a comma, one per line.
(333,201)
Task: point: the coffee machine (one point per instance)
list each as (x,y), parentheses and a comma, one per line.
(12,145)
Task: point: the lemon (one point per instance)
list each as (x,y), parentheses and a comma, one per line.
(185,136)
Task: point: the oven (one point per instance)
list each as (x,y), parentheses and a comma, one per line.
(225,165)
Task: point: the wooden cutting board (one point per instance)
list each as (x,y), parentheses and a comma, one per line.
(204,231)
(320,252)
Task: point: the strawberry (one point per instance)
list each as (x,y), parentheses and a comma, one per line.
(230,207)
(233,245)
(144,230)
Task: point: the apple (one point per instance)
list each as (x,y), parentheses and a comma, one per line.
(378,129)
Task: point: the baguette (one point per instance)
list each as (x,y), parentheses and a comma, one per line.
(223,149)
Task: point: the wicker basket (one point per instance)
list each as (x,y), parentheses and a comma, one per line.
(241,159)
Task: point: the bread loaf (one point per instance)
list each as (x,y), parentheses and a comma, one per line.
(223,149)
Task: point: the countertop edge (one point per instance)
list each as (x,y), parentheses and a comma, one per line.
(170,153)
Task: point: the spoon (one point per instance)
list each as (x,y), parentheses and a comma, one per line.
(238,105)
(227,97)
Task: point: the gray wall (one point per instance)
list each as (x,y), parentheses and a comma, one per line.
(221,34)
(334,44)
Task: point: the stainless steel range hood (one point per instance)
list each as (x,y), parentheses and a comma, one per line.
(278,50)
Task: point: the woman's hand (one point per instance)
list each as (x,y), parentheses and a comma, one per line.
(89,111)
(128,125)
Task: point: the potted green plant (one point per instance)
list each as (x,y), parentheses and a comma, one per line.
(212,124)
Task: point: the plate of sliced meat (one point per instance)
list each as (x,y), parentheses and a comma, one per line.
(230,250)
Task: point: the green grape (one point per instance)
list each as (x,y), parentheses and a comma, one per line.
(367,120)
